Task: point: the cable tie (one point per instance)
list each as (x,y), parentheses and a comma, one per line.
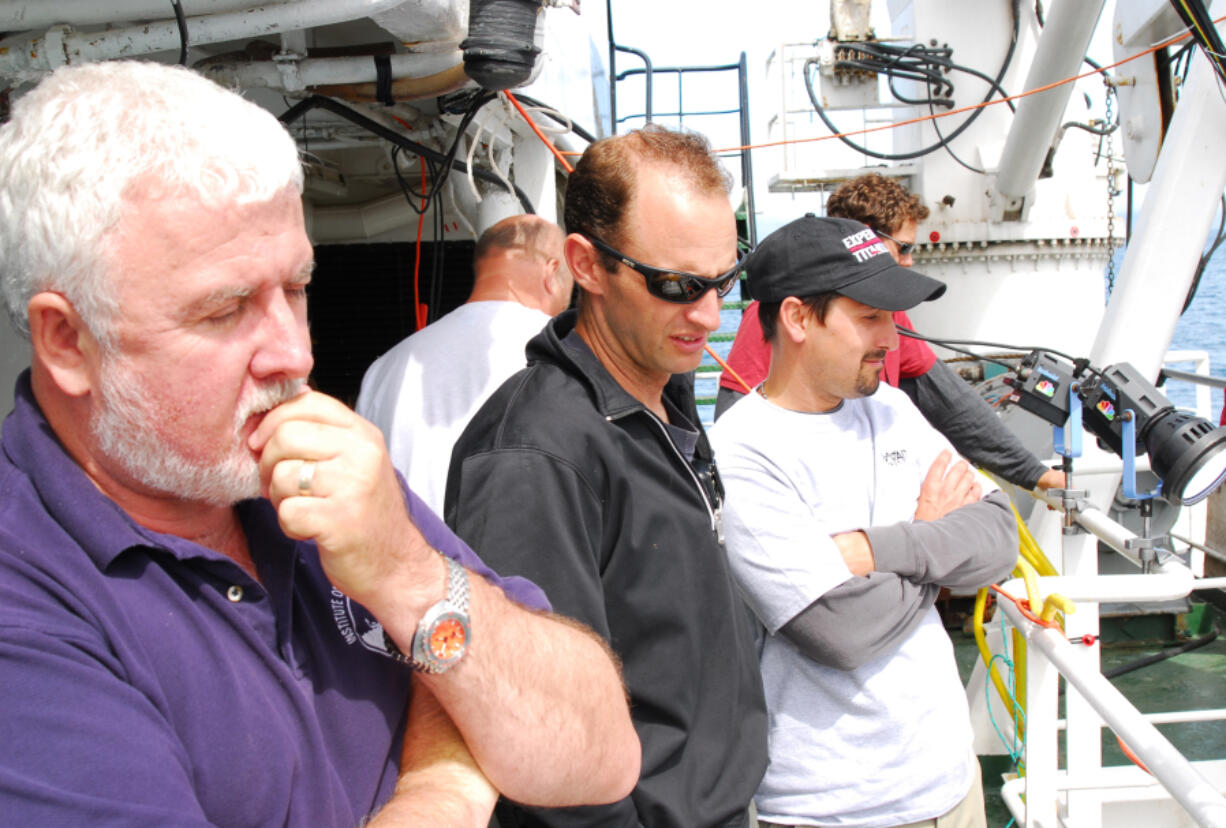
(383,80)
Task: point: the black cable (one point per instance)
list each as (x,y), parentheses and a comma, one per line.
(946,102)
(549,112)
(1183,55)
(439,163)
(1096,66)
(335,107)
(432,197)
(1093,130)
(898,96)
(182,21)
(411,195)
(1204,32)
(940,57)
(1002,363)
(438,176)
(950,343)
(943,142)
(916,62)
(1163,655)
(936,127)
(1206,256)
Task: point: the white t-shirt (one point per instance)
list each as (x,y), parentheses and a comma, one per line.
(422,393)
(886,743)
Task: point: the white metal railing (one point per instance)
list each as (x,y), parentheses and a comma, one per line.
(1199,376)
(1041,797)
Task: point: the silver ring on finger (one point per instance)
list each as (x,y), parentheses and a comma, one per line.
(306,476)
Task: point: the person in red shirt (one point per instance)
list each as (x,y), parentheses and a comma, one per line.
(945,400)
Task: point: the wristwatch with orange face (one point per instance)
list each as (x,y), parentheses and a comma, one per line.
(443,634)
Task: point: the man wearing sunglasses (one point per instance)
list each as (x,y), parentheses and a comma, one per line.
(589,472)
(947,402)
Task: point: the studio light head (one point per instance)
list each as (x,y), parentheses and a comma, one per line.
(1187,452)
(1042,385)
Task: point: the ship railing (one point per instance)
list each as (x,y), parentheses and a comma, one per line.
(1199,377)
(1043,795)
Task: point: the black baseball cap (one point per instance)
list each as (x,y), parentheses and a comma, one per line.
(814,255)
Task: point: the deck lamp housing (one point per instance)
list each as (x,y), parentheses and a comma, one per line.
(1187,452)
(1129,416)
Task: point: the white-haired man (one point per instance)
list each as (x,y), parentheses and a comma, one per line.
(424,391)
(177,649)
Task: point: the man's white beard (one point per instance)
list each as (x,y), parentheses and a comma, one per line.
(125,428)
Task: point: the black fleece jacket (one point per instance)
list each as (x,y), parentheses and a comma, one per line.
(564,478)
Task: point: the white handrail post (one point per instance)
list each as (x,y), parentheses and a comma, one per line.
(1042,755)
(1083,735)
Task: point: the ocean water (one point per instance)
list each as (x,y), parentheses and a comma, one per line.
(1203,327)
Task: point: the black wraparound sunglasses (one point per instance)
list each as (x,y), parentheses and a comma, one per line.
(904,248)
(674,285)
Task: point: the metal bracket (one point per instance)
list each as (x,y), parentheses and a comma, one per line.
(1071,447)
(1129,480)
(1071,501)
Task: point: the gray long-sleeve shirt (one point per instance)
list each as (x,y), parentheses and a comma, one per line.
(867,616)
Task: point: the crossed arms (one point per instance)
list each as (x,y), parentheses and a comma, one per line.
(886,577)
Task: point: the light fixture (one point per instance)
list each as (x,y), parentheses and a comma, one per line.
(1130,416)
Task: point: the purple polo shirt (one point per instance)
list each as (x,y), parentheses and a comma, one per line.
(146,680)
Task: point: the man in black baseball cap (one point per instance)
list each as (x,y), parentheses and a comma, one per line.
(816,255)
(833,283)
(846,514)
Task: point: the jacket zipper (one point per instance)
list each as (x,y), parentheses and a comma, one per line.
(713,511)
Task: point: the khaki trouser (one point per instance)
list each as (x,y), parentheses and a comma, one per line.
(966,814)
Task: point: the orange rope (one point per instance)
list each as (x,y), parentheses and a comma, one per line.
(970,108)
(725,366)
(1023,605)
(566,165)
(1136,760)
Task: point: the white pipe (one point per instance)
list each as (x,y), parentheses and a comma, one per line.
(26,58)
(1180,716)
(1171,231)
(324,71)
(1173,717)
(1099,524)
(1103,779)
(23,15)
(1066,35)
(1099,589)
(1189,788)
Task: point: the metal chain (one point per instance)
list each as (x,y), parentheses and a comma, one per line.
(1111,191)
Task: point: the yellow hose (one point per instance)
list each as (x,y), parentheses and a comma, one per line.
(981,602)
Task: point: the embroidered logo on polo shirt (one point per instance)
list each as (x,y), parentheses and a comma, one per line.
(355,624)
(894,458)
